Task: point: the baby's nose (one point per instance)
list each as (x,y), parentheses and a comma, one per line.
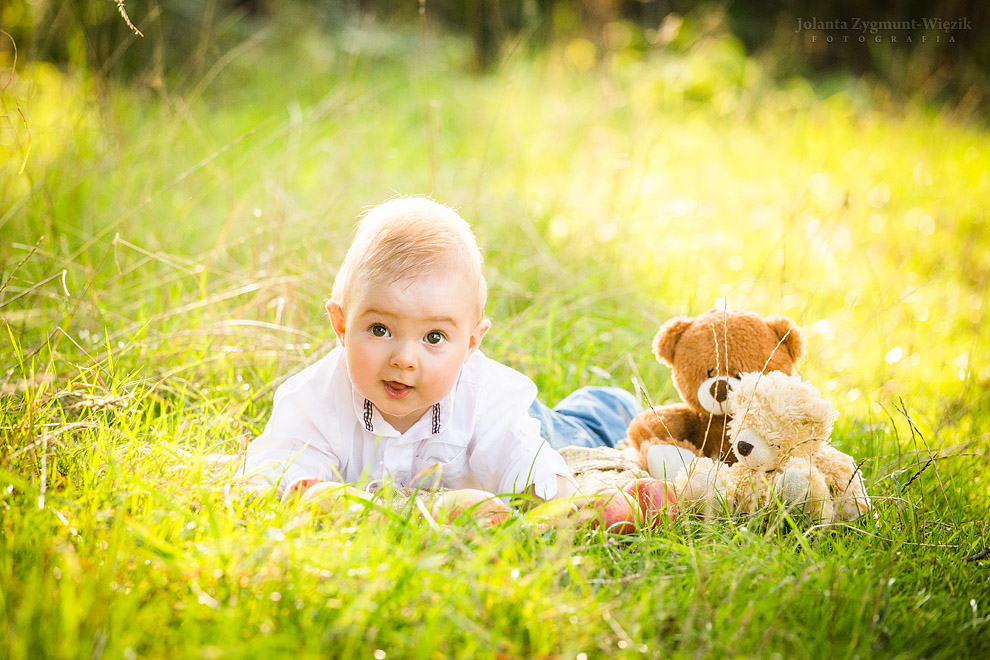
(404,356)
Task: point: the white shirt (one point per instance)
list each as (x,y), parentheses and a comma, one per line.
(479,436)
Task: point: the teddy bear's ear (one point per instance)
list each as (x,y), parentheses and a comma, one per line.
(816,410)
(818,416)
(666,338)
(788,334)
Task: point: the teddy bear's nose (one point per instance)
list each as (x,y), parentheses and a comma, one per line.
(719,389)
(743,448)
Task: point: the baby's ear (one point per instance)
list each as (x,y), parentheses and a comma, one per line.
(788,334)
(477,335)
(666,338)
(336,319)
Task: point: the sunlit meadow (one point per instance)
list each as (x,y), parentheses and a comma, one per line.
(168,244)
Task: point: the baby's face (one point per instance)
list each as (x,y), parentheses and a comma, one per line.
(405,342)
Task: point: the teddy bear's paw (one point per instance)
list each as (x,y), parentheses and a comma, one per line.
(854,501)
(854,506)
(665,462)
(793,486)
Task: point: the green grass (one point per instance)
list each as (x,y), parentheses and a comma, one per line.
(167,251)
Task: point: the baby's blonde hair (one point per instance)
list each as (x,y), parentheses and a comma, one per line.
(405,237)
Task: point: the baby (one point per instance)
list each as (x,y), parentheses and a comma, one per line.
(407,398)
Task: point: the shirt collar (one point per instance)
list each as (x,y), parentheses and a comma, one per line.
(434,422)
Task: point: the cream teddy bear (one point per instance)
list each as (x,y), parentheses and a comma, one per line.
(779,434)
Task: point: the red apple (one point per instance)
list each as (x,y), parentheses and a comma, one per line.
(656,499)
(616,511)
(333,497)
(295,492)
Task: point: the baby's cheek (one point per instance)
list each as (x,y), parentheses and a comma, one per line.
(444,374)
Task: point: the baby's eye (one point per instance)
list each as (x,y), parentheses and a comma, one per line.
(435,338)
(378,330)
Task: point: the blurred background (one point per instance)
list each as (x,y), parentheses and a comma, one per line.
(934,49)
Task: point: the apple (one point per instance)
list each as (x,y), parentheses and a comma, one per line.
(656,499)
(333,497)
(295,491)
(615,511)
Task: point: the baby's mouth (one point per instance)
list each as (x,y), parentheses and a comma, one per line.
(396,390)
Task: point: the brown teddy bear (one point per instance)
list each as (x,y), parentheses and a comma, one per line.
(707,354)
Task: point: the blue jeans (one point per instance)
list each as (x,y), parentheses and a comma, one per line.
(588,417)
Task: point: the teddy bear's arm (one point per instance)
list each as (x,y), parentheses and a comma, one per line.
(749,489)
(675,424)
(713,488)
(845,480)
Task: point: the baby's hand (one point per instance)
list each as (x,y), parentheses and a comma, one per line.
(482,506)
